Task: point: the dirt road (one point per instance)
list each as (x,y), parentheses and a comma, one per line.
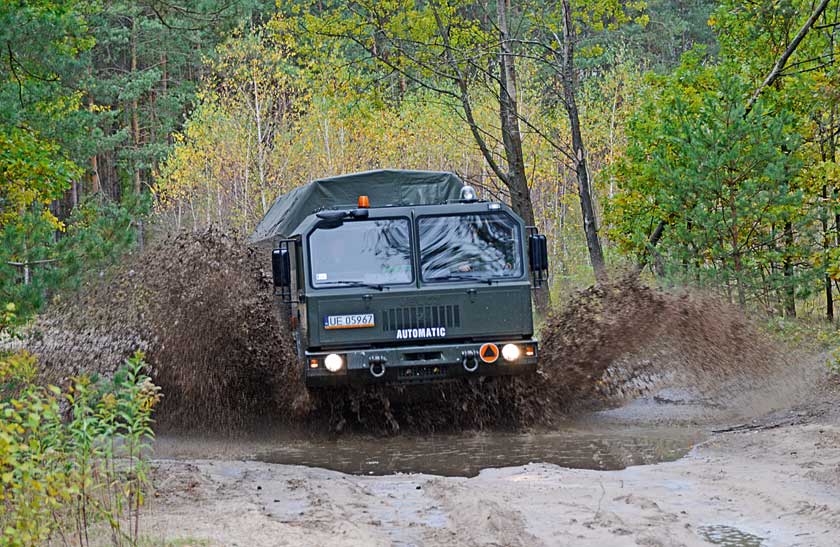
(772,482)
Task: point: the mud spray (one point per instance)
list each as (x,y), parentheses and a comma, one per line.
(201,307)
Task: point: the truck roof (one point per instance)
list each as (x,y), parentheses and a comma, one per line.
(384,187)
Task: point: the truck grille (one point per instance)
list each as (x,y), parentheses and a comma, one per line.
(421,317)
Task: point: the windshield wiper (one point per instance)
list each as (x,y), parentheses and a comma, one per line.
(343,283)
(455,277)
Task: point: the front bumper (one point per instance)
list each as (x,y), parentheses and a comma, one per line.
(418,364)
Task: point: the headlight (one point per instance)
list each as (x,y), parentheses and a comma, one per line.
(510,352)
(333,362)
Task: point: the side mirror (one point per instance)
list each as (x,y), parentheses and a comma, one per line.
(281,268)
(538,252)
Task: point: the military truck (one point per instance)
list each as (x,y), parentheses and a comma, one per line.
(403,277)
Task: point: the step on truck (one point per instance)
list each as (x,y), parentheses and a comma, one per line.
(403,277)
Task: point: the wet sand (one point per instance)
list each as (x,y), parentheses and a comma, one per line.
(781,485)
(773,480)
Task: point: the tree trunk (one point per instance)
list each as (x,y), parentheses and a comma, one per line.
(824,219)
(569,82)
(164,84)
(135,130)
(739,279)
(95,183)
(135,115)
(832,155)
(735,241)
(514,177)
(260,144)
(511,137)
(837,218)
(829,154)
(790,288)
(517,179)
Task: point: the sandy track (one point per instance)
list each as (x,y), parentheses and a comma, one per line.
(781,484)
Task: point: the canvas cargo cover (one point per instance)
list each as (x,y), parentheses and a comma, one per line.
(383,187)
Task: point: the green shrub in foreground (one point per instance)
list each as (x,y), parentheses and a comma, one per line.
(74,463)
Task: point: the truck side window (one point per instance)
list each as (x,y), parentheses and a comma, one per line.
(473,246)
(361,251)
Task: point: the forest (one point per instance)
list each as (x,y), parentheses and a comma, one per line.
(680,155)
(692,140)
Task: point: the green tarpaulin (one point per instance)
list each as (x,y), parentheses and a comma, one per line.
(383,187)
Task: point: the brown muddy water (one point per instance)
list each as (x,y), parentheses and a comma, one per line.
(575,445)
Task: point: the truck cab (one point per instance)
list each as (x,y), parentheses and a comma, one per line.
(410,292)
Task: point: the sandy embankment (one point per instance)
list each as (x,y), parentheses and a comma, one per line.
(781,484)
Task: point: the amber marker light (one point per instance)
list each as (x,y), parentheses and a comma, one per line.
(364,202)
(313,363)
(529,351)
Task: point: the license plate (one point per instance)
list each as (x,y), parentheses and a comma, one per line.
(355,321)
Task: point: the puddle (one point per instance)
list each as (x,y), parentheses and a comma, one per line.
(448,455)
(729,536)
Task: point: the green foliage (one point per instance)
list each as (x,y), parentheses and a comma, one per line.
(749,199)
(42,41)
(672,28)
(833,362)
(34,173)
(218,106)
(90,95)
(40,117)
(724,183)
(96,235)
(38,123)
(812,335)
(61,477)
(143,75)
(43,137)
(8,318)
(17,370)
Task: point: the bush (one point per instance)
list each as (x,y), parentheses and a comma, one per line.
(74,463)
(97,235)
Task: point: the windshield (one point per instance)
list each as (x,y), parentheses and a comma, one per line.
(361,252)
(479,246)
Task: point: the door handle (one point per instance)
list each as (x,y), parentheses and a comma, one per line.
(471,292)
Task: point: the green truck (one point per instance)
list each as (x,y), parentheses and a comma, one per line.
(403,277)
